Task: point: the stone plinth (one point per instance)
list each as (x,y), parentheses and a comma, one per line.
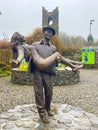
(65,117)
(63,77)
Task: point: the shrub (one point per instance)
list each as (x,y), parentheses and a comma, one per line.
(5,70)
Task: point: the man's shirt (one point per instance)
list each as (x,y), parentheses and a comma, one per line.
(44,50)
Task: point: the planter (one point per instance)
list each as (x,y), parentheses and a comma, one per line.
(63,77)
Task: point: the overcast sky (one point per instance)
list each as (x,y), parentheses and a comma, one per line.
(26,15)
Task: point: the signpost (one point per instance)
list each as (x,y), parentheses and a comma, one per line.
(88,56)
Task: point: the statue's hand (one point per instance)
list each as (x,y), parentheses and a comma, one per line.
(14,61)
(58,59)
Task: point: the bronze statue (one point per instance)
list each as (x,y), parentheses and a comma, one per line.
(43,57)
(23,49)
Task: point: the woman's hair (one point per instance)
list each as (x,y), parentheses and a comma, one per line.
(17,38)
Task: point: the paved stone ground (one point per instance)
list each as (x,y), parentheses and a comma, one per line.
(83,94)
(25,117)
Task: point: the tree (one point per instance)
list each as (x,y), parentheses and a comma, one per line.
(90,39)
(72,40)
(36,35)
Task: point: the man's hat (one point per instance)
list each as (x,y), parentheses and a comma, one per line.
(49,28)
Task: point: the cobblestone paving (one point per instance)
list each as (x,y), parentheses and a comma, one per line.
(66,117)
(83,95)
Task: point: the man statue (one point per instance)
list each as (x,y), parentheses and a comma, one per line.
(43,79)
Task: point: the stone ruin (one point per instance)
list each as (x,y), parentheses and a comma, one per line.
(51,18)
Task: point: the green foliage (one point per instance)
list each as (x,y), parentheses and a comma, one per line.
(4,66)
(5,70)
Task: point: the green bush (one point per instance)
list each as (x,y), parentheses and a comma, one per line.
(5,70)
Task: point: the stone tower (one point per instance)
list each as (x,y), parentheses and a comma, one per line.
(51,19)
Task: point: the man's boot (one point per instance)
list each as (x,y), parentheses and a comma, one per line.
(44,118)
(50,113)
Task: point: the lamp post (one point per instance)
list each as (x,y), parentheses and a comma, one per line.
(91,22)
(90,37)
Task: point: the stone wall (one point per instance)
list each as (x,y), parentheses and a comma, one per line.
(66,77)
(63,77)
(73,54)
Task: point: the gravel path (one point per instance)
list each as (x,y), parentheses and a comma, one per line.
(84,94)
